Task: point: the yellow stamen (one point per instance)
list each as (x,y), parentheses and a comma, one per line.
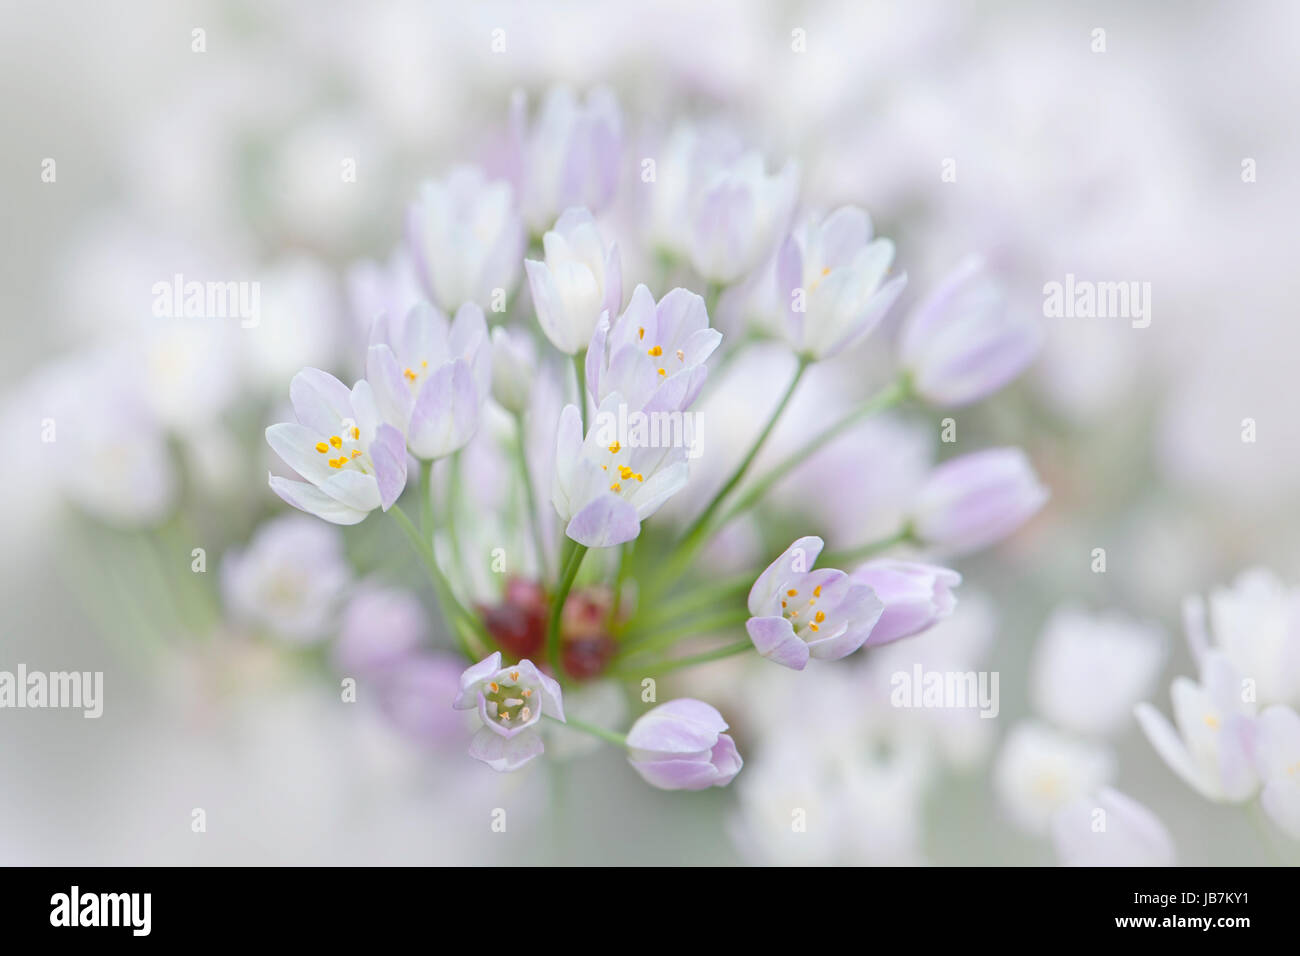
(817,591)
(821,616)
(640,333)
(616,487)
(615,448)
(410,376)
(514,675)
(337,462)
(1211,721)
(356,433)
(322,447)
(356,453)
(792,592)
(625,472)
(494,687)
(656,351)
(336,441)
(528,692)
(813,626)
(504,715)
(663,371)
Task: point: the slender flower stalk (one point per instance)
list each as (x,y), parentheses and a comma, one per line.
(567,577)
(459,620)
(635,670)
(610,736)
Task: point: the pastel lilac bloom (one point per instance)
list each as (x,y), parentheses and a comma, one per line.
(382,288)
(800,613)
(514,366)
(915,596)
(412,694)
(1132,834)
(686,159)
(831,276)
(289,580)
(653,355)
(738,216)
(381,627)
(431,379)
(1277,757)
(1212,747)
(1040,769)
(964,341)
(580,279)
(680,745)
(604,489)
(570,156)
(353,462)
(465,238)
(510,702)
(975,500)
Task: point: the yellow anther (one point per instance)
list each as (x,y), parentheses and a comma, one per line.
(337,462)
(528,692)
(792,592)
(525,714)
(1211,721)
(494,687)
(336,441)
(625,472)
(820,616)
(616,487)
(640,333)
(356,453)
(638,476)
(817,591)
(783,604)
(505,715)
(656,351)
(826,271)
(813,626)
(681,356)
(615,448)
(322,447)
(410,376)
(424,364)
(356,433)
(663,371)
(514,675)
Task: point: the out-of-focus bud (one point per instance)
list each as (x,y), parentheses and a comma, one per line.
(964,342)
(680,745)
(916,596)
(514,363)
(580,280)
(976,500)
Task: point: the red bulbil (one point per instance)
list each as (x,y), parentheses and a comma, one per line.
(518,625)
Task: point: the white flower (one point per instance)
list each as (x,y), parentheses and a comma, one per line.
(1256,623)
(570,156)
(831,277)
(465,238)
(1277,757)
(1109,829)
(1211,749)
(580,279)
(738,216)
(1040,770)
(1090,670)
(290,580)
(514,364)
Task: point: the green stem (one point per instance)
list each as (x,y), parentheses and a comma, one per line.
(617,739)
(580,375)
(534,519)
(557,608)
(721,592)
(842,559)
(457,617)
(659,639)
(673,664)
(887,397)
(697,534)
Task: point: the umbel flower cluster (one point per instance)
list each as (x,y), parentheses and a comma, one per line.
(537,349)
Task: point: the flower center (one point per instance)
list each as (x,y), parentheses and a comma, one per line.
(345,450)
(801,610)
(508,702)
(414,376)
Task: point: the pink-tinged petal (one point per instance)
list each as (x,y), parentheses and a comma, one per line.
(392,394)
(473,676)
(844,232)
(677,774)
(640,314)
(388,452)
(658,488)
(469,340)
(446,412)
(799,558)
(352,488)
(681,726)
(548,304)
(595,360)
(312,500)
(1160,732)
(789,277)
(296,445)
(603,522)
(568,460)
(552,697)
(613,280)
(681,313)
(726,760)
(775,639)
(504,754)
(320,401)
